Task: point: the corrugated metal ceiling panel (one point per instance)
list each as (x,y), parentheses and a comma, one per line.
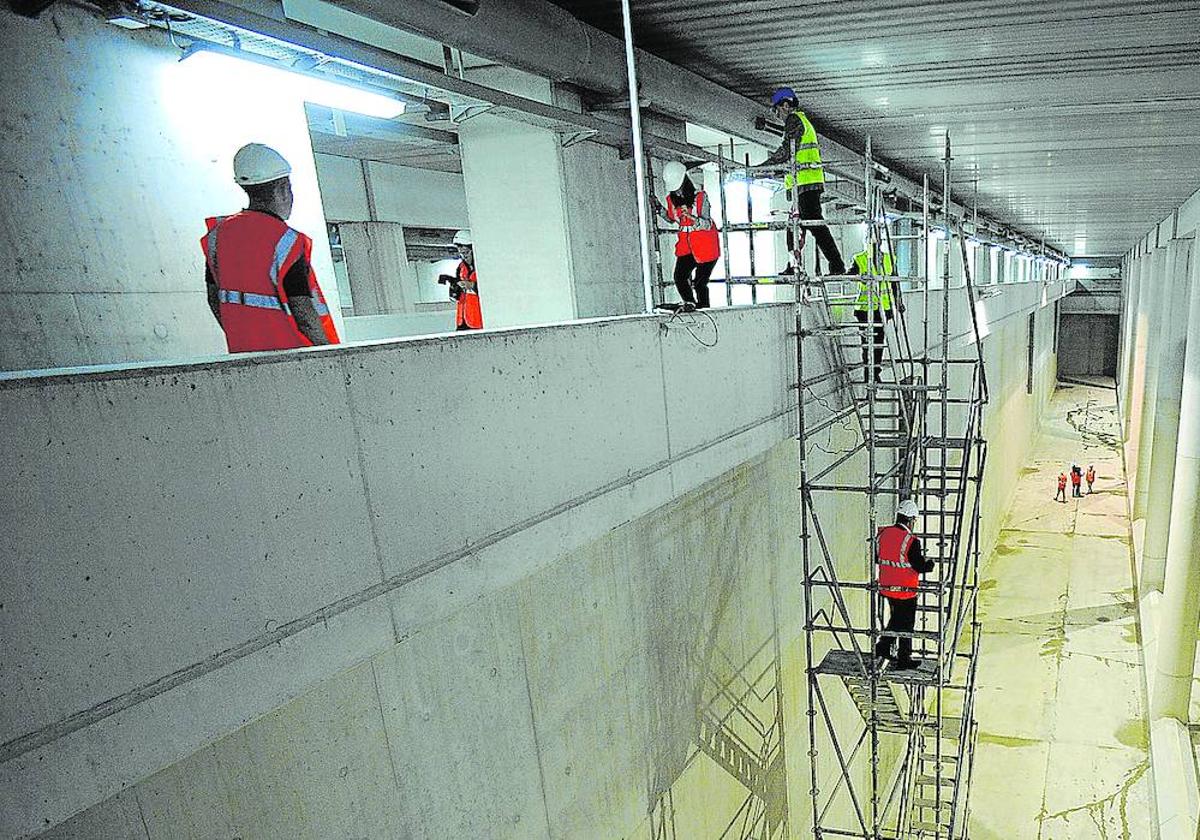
(1076,120)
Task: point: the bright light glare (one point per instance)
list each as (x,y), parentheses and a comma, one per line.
(228,70)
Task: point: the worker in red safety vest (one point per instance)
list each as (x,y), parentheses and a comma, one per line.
(1076,480)
(698,245)
(467,315)
(258,271)
(1061,495)
(901,564)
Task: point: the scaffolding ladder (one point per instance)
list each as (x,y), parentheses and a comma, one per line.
(900,764)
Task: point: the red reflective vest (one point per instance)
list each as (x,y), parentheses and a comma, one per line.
(897,579)
(468,311)
(703,244)
(248,255)
(1075,477)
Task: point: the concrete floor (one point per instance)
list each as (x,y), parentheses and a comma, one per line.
(1062,750)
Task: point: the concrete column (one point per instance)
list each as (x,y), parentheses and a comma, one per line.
(1137,369)
(1180,609)
(381,279)
(555,227)
(1130,268)
(1155,312)
(1161,469)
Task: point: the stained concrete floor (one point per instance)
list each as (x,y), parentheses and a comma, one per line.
(1062,749)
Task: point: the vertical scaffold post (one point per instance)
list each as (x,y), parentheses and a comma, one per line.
(721,172)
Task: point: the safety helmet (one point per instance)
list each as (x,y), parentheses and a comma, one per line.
(463,237)
(255,163)
(908,509)
(782,95)
(673,174)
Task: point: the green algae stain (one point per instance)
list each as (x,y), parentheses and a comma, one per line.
(1005,550)
(1132,733)
(986,585)
(1054,645)
(1005,740)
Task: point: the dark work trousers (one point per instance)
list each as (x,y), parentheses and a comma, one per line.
(876,337)
(810,208)
(693,289)
(902,617)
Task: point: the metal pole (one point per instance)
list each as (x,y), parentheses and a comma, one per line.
(721,172)
(639,160)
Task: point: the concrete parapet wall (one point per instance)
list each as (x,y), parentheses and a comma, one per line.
(289,556)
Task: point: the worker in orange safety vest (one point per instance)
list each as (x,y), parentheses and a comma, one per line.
(698,244)
(901,564)
(468,315)
(258,271)
(1091,477)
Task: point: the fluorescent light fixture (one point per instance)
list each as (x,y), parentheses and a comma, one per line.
(225,65)
(127,22)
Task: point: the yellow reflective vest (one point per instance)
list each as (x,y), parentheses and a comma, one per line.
(808,157)
(866,300)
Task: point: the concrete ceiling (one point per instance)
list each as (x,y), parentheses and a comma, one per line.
(1079,121)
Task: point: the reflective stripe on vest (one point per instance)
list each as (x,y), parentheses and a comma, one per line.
(808,158)
(866,299)
(251,299)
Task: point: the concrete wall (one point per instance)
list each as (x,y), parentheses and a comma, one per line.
(413,197)
(270,600)
(114,154)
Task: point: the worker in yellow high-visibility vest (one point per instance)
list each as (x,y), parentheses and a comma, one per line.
(809,181)
(873,298)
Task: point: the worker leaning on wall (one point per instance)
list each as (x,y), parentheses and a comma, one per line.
(258,271)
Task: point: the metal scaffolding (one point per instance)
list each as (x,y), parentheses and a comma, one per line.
(900,767)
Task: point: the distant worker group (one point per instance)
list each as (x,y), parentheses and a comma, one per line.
(1076,476)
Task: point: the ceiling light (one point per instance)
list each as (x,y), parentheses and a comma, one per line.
(227,63)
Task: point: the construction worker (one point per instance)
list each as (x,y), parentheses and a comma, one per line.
(873,306)
(1091,477)
(809,181)
(258,271)
(901,564)
(698,245)
(467,314)
(1061,495)
(1076,480)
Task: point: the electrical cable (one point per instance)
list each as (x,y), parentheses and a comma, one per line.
(687,324)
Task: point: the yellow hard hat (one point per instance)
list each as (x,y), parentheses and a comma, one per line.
(255,163)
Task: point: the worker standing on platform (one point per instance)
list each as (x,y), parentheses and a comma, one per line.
(1091,477)
(901,564)
(468,315)
(810,175)
(874,305)
(258,271)
(698,245)
(1061,495)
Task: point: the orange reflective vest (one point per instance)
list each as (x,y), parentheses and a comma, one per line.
(248,255)
(1091,476)
(897,579)
(468,312)
(704,244)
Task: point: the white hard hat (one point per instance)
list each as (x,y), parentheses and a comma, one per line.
(908,509)
(255,163)
(673,174)
(463,237)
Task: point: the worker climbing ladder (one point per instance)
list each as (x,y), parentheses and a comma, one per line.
(899,765)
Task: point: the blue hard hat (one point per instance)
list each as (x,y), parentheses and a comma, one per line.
(782,95)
